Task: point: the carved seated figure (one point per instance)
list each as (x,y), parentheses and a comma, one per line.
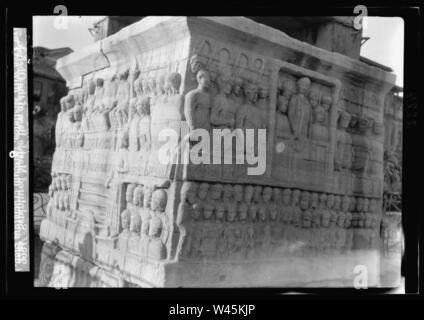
(134,238)
(125,234)
(156,249)
(299,111)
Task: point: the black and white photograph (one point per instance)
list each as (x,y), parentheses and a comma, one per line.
(216,152)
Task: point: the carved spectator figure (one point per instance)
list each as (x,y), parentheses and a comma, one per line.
(223,114)
(299,111)
(197,104)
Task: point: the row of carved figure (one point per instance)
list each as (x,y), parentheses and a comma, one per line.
(145,226)
(217,219)
(60,191)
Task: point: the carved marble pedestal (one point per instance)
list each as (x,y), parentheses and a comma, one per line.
(118,216)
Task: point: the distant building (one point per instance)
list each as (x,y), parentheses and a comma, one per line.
(48,88)
(110,25)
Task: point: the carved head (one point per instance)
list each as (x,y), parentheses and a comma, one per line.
(145,107)
(135,222)
(160,84)
(262,92)
(238,192)
(304,200)
(242,212)
(99,82)
(337,202)
(138,196)
(306,219)
(203,79)
(348,220)
(196,210)
(251,92)
(266,194)
(333,218)
(147,199)
(303,85)
(316,218)
(195,63)
(364,124)
(319,113)
(248,193)
(262,213)
(314,200)
(124,74)
(366,204)
(252,211)
(189,191)
(70,101)
(314,96)
(130,191)
(77,112)
(159,200)
(273,211)
(227,192)
(345,203)
(231,213)
(257,193)
(344,119)
(369,220)
(219,211)
(287,196)
(174,80)
(203,190)
(68,181)
(155,228)
(207,210)
(330,201)
(295,196)
(225,83)
(360,204)
(63,104)
(326,102)
(125,219)
(216,191)
(237,85)
(325,218)
(91,87)
(341,219)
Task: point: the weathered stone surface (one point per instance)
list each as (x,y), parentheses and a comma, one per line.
(120,216)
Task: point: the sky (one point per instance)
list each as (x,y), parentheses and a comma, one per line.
(384,46)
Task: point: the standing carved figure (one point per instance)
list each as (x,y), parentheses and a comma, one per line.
(299,111)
